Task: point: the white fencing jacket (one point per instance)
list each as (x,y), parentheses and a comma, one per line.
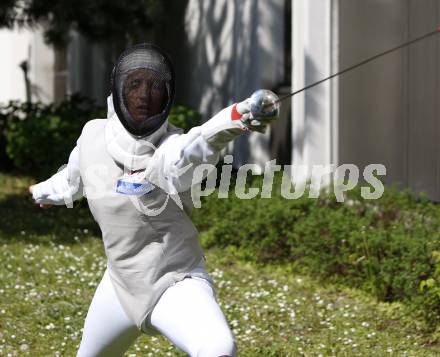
(149,240)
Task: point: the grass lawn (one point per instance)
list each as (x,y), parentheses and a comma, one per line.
(52,260)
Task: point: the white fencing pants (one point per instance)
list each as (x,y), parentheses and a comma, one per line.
(187,314)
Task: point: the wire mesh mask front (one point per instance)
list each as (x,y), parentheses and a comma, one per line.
(143,74)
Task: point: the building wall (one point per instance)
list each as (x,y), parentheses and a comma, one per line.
(372,98)
(89,68)
(389,111)
(83,67)
(17,46)
(384,112)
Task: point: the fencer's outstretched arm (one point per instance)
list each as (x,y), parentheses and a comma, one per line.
(63,187)
(177,158)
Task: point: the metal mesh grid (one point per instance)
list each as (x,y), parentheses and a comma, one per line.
(152,58)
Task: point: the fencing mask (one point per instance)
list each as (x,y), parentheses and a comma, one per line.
(143,88)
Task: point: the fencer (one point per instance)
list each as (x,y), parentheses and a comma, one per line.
(135,169)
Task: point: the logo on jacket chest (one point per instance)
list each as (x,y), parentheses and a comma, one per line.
(134,183)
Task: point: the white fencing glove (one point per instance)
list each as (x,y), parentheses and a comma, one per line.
(252,114)
(258,111)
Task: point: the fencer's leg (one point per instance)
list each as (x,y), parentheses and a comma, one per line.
(189,316)
(107,329)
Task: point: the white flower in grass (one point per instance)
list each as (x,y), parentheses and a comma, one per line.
(51,326)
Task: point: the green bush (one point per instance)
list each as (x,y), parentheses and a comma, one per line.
(430,290)
(384,246)
(38,138)
(184,117)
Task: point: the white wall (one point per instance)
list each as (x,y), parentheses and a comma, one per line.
(314,57)
(233,48)
(88,67)
(15,47)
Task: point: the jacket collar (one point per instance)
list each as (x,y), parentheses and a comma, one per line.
(127,150)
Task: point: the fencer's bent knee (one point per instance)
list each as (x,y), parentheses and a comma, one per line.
(219,345)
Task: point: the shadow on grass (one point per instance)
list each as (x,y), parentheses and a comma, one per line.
(22,220)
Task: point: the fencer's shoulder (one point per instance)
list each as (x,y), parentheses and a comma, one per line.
(170,134)
(94,125)
(178,139)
